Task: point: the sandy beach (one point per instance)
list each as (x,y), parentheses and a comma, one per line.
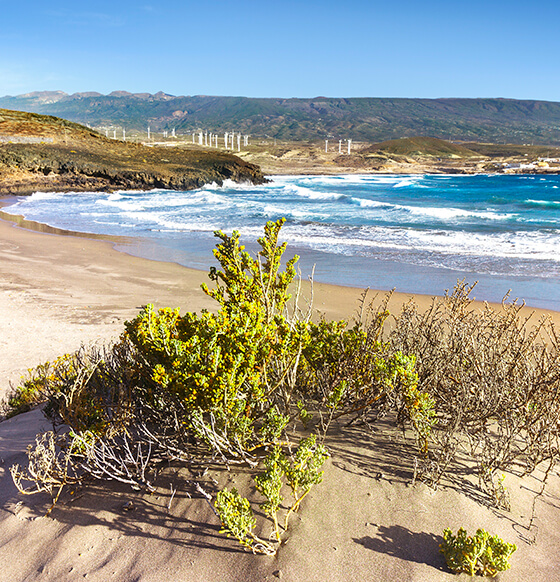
(59,292)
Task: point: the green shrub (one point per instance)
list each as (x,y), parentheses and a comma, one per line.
(223,387)
(226,374)
(479,554)
(354,373)
(226,387)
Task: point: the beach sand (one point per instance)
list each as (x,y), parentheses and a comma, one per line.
(364,522)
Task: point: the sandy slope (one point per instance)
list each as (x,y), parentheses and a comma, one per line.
(365,522)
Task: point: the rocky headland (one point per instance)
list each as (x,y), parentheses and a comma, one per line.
(46,153)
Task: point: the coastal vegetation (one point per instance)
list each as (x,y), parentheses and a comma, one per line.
(263,385)
(481,553)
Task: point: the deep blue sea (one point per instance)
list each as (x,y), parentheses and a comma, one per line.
(417,233)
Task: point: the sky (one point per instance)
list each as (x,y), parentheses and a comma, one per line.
(261,48)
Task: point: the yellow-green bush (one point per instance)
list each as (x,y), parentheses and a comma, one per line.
(224,385)
(481,553)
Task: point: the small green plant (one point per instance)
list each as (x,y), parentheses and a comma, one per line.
(273,424)
(493,484)
(479,554)
(300,472)
(420,406)
(33,389)
(303,471)
(304,415)
(269,484)
(238,521)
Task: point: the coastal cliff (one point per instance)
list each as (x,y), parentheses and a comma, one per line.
(46,153)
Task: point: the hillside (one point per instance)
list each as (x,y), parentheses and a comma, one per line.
(47,153)
(421,146)
(418,155)
(363,119)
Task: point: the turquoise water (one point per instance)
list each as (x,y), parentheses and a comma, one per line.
(416,233)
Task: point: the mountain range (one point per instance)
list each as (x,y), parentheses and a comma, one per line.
(360,119)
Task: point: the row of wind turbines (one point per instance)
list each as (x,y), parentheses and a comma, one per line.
(230,139)
(213,139)
(203,138)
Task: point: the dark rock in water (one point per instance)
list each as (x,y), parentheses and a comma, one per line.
(50,154)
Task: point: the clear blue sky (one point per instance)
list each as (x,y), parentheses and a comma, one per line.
(260,48)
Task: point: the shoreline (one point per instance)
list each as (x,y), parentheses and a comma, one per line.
(392,268)
(118,246)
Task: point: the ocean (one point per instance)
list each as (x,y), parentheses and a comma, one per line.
(415,233)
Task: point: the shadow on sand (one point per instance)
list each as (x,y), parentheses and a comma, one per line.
(400,542)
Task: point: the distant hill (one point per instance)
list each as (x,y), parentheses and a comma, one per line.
(421,147)
(363,119)
(47,153)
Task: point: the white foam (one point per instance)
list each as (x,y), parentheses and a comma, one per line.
(121,204)
(452,213)
(198,198)
(229,185)
(43,196)
(404,183)
(365,203)
(350,215)
(543,202)
(521,245)
(337,180)
(311,194)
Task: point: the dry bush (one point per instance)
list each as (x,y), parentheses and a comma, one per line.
(51,467)
(495,380)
